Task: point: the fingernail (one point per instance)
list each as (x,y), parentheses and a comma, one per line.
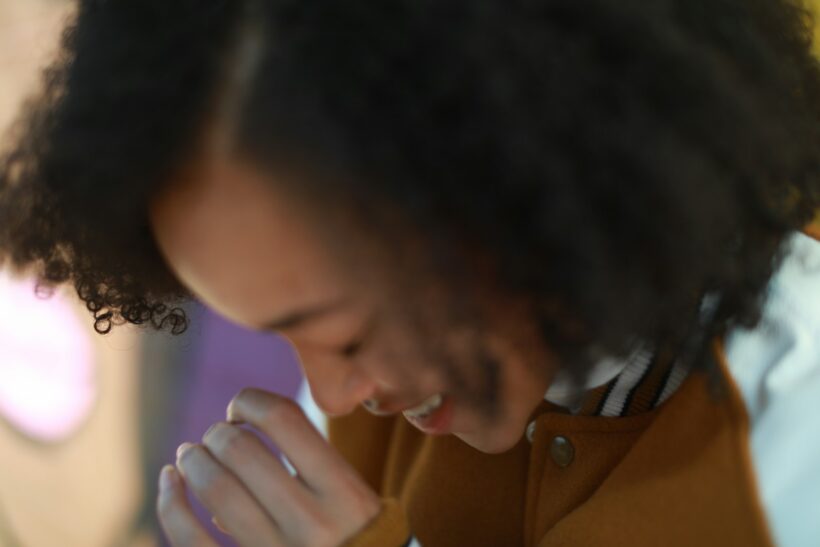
(167,477)
(210,430)
(182,448)
(219,526)
(229,413)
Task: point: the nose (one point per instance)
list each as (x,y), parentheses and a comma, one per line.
(337,387)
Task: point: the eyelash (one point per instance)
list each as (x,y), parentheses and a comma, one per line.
(352,349)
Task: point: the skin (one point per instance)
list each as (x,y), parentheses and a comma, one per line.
(250,251)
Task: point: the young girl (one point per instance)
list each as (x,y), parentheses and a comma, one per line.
(542,261)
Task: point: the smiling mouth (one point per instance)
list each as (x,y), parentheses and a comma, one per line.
(433,417)
(423,410)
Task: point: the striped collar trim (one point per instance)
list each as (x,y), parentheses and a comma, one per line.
(641,382)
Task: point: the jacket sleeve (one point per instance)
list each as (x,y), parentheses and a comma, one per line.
(388,529)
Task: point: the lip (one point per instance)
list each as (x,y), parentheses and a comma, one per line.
(437,423)
(379,410)
(389,409)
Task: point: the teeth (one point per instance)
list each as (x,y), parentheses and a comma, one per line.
(426,408)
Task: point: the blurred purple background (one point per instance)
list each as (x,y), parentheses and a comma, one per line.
(223,359)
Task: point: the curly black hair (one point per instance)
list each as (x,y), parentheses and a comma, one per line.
(619,160)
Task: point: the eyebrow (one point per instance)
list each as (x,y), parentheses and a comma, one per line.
(298,318)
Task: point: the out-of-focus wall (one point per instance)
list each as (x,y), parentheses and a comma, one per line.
(28,35)
(69,424)
(86,421)
(815,6)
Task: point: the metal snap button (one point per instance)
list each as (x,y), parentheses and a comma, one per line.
(562,451)
(530,431)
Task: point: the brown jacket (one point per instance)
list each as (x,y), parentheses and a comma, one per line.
(678,475)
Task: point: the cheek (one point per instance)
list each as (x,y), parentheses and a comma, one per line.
(522,389)
(404,375)
(402,362)
(502,433)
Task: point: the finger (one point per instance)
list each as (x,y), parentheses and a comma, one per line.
(176,516)
(219,526)
(283,421)
(285,498)
(226,498)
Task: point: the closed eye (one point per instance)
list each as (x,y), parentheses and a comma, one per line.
(352,349)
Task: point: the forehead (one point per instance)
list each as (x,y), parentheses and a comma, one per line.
(240,244)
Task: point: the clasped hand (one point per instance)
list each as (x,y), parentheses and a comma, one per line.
(252,495)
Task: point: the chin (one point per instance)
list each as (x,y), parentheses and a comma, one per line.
(494,440)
